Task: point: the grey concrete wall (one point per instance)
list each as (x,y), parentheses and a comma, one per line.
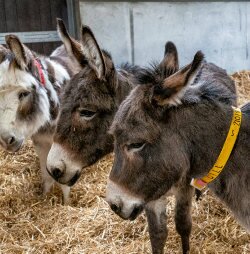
(110,23)
(137,32)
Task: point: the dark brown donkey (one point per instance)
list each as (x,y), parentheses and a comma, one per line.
(168,131)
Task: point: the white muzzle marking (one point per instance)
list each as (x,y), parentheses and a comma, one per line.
(59,158)
(118,196)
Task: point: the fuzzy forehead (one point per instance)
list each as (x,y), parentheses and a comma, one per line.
(132,110)
(13,77)
(131,104)
(85,90)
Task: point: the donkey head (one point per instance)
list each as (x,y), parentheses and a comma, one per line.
(23,104)
(150,156)
(88,105)
(86,111)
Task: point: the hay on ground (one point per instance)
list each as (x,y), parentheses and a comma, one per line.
(32,224)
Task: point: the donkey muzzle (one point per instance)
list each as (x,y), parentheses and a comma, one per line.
(10,143)
(122,202)
(134,212)
(59,175)
(61,166)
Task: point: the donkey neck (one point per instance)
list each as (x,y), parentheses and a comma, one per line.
(56,74)
(205,143)
(205,135)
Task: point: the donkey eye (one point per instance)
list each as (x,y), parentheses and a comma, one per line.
(136,146)
(23,94)
(87,114)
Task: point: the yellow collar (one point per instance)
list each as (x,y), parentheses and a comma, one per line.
(224,154)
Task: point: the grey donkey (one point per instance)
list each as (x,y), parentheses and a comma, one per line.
(169,131)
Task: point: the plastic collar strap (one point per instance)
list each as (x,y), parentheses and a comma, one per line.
(224,154)
(40,71)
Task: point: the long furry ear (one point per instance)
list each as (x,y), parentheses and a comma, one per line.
(173,87)
(73,47)
(18,49)
(93,52)
(170,62)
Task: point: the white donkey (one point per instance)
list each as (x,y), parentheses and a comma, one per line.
(30,85)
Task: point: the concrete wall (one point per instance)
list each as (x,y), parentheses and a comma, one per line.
(137,32)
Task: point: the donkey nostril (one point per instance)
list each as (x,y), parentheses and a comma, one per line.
(115,208)
(11,140)
(56,172)
(136,211)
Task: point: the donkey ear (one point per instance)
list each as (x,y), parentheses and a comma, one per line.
(93,52)
(173,87)
(170,62)
(73,47)
(18,49)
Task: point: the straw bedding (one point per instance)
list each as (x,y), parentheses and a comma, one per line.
(30,223)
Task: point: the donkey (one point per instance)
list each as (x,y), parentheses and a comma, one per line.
(171,130)
(30,85)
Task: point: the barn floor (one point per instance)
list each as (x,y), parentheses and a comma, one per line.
(32,224)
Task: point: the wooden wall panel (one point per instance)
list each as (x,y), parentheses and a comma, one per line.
(3,25)
(11,16)
(30,15)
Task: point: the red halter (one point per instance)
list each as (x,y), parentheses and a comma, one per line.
(40,71)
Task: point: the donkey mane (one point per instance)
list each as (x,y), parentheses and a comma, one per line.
(211,83)
(154,74)
(129,74)
(134,69)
